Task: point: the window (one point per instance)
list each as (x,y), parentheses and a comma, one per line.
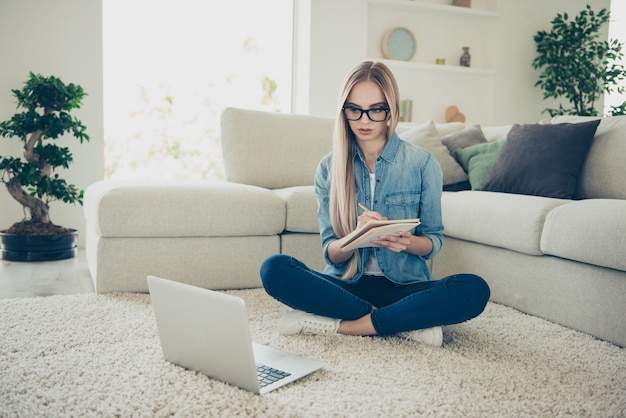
(170,68)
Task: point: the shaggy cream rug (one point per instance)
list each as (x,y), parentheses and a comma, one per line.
(99,355)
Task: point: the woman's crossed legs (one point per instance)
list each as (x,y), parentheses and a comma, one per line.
(374,305)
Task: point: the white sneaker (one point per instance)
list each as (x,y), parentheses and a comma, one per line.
(300,322)
(431,336)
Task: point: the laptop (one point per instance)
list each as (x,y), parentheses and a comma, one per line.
(208,331)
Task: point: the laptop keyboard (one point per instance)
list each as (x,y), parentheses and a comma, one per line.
(268,375)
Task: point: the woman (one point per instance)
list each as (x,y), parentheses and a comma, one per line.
(387,289)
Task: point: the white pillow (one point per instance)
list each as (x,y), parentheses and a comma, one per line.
(443,128)
(447,128)
(426,136)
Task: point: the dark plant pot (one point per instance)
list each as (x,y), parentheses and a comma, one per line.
(38,247)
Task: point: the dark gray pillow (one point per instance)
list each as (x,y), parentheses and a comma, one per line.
(454,141)
(542,160)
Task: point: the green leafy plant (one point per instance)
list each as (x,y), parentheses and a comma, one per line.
(618,110)
(31,179)
(575,64)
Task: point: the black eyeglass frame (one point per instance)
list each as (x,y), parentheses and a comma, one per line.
(367,112)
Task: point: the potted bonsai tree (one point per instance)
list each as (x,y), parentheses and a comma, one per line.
(31,178)
(576,65)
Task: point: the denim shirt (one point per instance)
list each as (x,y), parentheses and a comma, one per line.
(408,185)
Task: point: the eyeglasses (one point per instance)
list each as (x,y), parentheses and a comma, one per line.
(377,114)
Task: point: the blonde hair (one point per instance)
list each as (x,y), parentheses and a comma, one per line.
(343,212)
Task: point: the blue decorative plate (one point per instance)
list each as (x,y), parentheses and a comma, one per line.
(399,44)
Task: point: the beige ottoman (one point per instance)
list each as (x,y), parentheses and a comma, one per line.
(208,234)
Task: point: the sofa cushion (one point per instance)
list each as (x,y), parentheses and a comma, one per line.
(502,220)
(472,135)
(602,176)
(273,150)
(478,159)
(542,160)
(590,231)
(182,209)
(301,205)
(426,136)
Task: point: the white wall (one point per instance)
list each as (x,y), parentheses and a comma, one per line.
(61,38)
(336,44)
(515,99)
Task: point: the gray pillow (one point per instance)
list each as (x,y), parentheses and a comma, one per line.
(427,137)
(542,160)
(471,135)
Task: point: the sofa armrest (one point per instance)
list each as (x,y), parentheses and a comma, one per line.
(182,209)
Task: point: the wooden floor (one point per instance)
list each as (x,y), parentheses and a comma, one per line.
(26,280)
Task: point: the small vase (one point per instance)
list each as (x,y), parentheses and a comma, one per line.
(465,58)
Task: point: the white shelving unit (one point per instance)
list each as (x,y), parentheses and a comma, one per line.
(412,5)
(441,30)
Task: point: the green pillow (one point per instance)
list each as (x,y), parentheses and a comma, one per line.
(478,159)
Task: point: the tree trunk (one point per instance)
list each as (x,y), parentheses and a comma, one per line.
(38,209)
(29,146)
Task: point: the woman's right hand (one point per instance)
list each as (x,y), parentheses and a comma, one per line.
(369,215)
(334,249)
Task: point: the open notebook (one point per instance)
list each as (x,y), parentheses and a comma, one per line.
(363,237)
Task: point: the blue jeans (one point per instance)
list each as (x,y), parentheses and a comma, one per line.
(394,308)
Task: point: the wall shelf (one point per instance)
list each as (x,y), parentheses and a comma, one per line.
(418,66)
(417,5)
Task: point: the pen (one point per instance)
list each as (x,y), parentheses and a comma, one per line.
(362,206)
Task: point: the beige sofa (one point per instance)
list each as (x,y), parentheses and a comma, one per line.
(214,234)
(560,259)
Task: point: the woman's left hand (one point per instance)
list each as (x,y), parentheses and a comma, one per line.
(395,243)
